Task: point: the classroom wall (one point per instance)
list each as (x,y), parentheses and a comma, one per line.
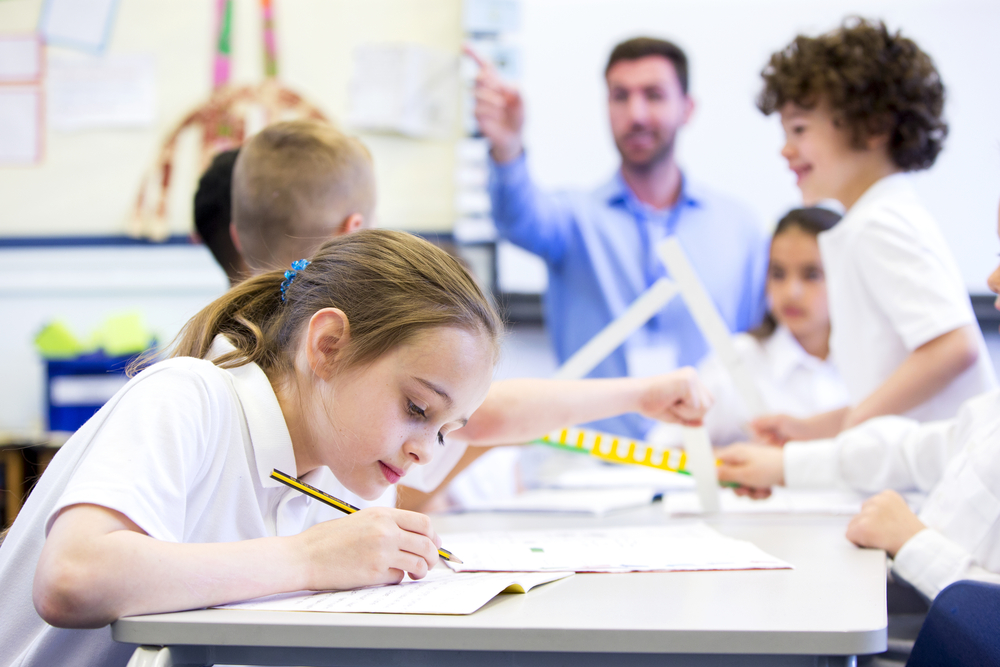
(88,180)
(731,145)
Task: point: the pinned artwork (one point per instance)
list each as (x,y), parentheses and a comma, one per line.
(78,24)
(406,89)
(20,125)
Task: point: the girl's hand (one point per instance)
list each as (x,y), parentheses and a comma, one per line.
(378,545)
(678,397)
(885,522)
(777,429)
(755,467)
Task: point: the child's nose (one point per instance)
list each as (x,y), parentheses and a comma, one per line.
(420,448)
(787,151)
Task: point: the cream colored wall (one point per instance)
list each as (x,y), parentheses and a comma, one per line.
(88,180)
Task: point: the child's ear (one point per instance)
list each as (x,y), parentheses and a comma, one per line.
(327,337)
(236,237)
(351,223)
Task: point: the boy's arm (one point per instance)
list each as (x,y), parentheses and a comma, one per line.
(97,565)
(922,374)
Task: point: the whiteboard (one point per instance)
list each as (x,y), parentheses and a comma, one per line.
(729,144)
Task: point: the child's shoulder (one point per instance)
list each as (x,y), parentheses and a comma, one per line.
(183,374)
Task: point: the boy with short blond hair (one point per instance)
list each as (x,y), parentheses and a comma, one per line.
(861,106)
(296,184)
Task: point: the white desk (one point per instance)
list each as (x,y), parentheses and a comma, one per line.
(830,608)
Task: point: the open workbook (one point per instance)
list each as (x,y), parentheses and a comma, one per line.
(440,592)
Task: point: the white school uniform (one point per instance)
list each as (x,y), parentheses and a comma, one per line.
(185,450)
(957,460)
(893,286)
(789,379)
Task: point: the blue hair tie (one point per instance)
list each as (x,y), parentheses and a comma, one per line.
(297,266)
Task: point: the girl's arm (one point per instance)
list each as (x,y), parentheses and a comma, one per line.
(517,411)
(927,370)
(97,565)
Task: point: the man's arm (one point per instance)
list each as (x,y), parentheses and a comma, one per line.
(537,222)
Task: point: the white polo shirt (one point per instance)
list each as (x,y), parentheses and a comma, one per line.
(790,380)
(957,460)
(893,286)
(185,450)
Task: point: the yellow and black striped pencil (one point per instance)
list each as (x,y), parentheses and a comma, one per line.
(336,503)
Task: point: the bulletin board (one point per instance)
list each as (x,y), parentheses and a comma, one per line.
(86,181)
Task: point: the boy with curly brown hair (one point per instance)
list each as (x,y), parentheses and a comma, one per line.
(861,107)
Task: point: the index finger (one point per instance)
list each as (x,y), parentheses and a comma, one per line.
(482,62)
(415,522)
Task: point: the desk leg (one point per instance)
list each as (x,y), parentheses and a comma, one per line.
(160,656)
(13,482)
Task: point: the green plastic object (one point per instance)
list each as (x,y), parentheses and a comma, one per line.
(122,335)
(56,341)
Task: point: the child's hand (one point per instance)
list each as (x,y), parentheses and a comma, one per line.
(885,522)
(776,429)
(378,545)
(678,397)
(755,467)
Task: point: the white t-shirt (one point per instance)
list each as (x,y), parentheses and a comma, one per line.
(185,450)
(893,286)
(789,379)
(957,460)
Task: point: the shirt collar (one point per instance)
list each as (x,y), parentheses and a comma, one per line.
(618,193)
(785,354)
(269,437)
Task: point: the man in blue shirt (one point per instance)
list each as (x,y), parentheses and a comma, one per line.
(600,246)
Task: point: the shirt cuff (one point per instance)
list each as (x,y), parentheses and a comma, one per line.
(929,561)
(812,464)
(429,477)
(513,170)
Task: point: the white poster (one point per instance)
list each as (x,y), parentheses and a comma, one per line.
(80,24)
(20,58)
(107,92)
(20,126)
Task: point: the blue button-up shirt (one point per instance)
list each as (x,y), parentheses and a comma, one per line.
(600,248)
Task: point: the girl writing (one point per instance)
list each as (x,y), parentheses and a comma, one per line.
(354,368)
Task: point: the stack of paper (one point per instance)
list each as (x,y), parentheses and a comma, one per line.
(653,548)
(620,476)
(781,501)
(587,501)
(441,592)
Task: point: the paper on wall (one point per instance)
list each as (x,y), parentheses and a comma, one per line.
(440,592)
(20,58)
(404,88)
(642,549)
(80,24)
(20,125)
(107,92)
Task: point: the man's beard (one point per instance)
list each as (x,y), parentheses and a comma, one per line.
(662,153)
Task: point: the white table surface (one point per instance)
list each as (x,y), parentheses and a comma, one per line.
(831,605)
